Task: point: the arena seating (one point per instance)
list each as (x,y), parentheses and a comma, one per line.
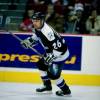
(11,18)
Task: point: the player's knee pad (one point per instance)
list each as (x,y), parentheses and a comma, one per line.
(52,76)
(54,71)
(41,65)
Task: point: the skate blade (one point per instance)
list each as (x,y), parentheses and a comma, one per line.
(45,92)
(67,95)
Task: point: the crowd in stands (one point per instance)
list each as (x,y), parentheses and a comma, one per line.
(65,16)
(27,25)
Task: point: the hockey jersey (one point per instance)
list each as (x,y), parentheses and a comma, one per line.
(51,41)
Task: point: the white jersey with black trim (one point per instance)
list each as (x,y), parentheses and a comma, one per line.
(50,40)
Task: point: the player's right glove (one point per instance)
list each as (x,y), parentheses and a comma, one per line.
(27,43)
(49,58)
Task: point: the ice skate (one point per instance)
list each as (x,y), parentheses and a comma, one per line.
(64,88)
(47,88)
(63,93)
(44,89)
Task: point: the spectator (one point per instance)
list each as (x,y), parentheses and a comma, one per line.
(56,18)
(50,12)
(36,5)
(75,22)
(56,21)
(69,21)
(93,23)
(79,25)
(61,6)
(27,25)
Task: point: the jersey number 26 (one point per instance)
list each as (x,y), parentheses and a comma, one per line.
(57,44)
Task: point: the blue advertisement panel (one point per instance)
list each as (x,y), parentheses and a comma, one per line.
(12,54)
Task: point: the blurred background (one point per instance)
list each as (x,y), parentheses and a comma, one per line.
(65,16)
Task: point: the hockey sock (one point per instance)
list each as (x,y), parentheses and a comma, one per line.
(45,79)
(44,75)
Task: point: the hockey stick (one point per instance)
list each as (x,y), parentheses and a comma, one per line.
(19,39)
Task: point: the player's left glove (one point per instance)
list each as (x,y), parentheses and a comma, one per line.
(28,42)
(49,58)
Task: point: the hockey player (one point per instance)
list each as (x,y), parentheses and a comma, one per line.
(56,52)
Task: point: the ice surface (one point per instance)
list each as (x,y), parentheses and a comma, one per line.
(21,91)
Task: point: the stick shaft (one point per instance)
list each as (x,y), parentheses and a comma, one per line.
(15,36)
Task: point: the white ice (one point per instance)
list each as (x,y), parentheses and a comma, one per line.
(23,91)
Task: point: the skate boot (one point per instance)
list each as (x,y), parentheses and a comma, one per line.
(47,88)
(65,91)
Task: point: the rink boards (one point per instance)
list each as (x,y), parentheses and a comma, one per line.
(81,68)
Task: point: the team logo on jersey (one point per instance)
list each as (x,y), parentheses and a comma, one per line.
(51,36)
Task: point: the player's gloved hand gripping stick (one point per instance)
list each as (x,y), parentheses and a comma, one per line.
(49,58)
(28,46)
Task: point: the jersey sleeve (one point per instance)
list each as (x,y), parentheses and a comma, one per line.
(34,37)
(48,32)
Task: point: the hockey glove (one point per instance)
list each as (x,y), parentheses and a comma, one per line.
(27,42)
(49,58)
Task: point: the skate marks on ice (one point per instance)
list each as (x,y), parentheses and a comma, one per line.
(19,91)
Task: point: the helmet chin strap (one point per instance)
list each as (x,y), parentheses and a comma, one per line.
(42,23)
